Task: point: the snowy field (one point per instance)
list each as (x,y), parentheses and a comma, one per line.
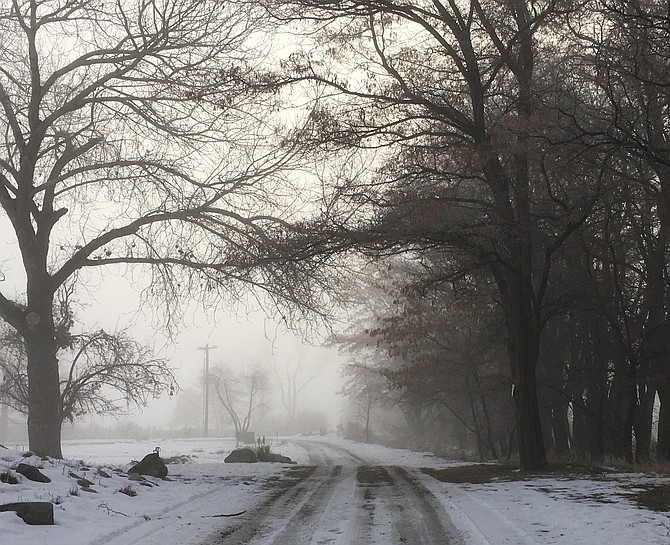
(204,492)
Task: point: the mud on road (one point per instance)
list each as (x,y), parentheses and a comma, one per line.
(342,499)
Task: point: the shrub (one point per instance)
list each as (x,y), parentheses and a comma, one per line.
(263,449)
(8,477)
(128,491)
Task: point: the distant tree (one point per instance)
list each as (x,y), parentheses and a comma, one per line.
(127,138)
(435,344)
(292,375)
(239,393)
(366,387)
(188,409)
(103,373)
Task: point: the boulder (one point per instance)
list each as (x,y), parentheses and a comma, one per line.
(32,512)
(151,465)
(241,455)
(273,457)
(32,473)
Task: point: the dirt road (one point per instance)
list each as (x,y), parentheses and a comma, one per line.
(342,499)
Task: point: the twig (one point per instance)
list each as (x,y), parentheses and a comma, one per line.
(224,515)
(110,510)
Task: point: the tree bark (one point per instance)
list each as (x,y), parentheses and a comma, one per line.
(663,444)
(44,401)
(643,423)
(523,354)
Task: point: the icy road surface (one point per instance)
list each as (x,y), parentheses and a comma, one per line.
(342,498)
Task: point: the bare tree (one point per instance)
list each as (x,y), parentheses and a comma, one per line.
(367,388)
(104,373)
(239,394)
(127,138)
(188,410)
(292,376)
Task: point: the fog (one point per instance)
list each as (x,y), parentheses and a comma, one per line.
(245,337)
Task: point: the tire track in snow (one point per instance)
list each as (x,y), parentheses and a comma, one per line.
(484,523)
(346,501)
(309,512)
(403,510)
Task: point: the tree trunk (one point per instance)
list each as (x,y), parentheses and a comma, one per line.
(523,351)
(580,345)
(44,401)
(580,427)
(643,423)
(595,381)
(663,445)
(4,422)
(561,429)
(532,456)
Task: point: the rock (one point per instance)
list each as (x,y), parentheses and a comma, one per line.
(151,465)
(135,477)
(32,473)
(104,474)
(32,512)
(181,459)
(84,483)
(242,455)
(272,457)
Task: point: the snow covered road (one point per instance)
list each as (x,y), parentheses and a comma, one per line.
(342,498)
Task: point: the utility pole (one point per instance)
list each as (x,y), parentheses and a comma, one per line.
(205,387)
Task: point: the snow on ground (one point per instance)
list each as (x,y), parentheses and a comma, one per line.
(189,506)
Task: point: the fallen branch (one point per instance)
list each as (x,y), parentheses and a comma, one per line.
(224,515)
(110,510)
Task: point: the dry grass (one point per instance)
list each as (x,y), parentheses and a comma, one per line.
(652,466)
(128,491)
(8,477)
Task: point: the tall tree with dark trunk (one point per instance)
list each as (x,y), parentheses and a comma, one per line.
(466,102)
(127,139)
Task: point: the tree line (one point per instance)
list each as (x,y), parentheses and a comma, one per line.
(516,153)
